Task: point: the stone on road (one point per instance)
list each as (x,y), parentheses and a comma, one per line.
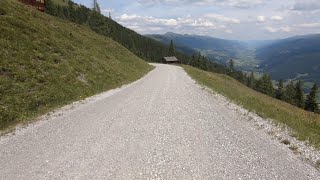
(163,126)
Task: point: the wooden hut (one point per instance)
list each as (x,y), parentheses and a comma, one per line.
(170,60)
(39,4)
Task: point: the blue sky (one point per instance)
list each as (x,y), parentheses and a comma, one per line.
(230,19)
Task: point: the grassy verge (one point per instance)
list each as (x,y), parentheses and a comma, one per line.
(305,125)
(46,63)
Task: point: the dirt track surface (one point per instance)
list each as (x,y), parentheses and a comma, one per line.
(163,126)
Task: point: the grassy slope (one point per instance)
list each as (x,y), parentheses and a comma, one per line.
(306,125)
(46,62)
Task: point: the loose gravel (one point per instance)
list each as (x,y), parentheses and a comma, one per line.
(163,126)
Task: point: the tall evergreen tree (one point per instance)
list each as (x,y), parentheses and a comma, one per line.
(280,91)
(192,60)
(50,7)
(171,49)
(96,6)
(289,96)
(311,102)
(299,97)
(265,85)
(231,64)
(250,80)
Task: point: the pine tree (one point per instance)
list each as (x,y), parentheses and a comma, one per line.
(265,85)
(311,102)
(192,60)
(96,6)
(299,97)
(250,80)
(289,96)
(171,49)
(231,64)
(280,91)
(50,7)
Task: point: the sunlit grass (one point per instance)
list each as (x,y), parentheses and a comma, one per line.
(46,62)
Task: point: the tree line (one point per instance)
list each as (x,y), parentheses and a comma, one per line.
(291,93)
(145,48)
(153,51)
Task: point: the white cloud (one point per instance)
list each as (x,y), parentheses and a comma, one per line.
(261,19)
(201,25)
(276,18)
(232,3)
(222,18)
(278,29)
(135,19)
(213,21)
(309,25)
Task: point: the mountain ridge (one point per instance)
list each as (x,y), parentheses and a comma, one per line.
(290,58)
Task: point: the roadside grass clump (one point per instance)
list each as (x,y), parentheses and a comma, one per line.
(305,125)
(293,147)
(46,62)
(318,164)
(285,141)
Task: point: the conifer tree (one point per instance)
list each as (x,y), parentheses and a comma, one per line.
(299,97)
(311,102)
(96,6)
(265,85)
(193,60)
(280,91)
(231,64)
(50,7)
(171,49)
(250,80)
(289,96)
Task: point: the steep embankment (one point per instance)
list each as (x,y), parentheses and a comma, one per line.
(46,62)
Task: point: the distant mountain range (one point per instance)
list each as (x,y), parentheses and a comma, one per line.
(292,58)
(216,49)
(295,58)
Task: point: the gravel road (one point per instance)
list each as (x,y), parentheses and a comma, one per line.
(163,126)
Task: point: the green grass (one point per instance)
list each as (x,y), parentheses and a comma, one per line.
(46,63)
(306,125)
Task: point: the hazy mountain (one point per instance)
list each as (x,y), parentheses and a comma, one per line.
(292,58)
(221,50)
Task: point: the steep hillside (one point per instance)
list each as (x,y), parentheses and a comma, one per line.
(293,58)
(144,47)
(217,49)
(46,62)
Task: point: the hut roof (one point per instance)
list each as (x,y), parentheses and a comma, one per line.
(171,59)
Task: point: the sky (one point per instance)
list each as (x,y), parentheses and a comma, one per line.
(227,19)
